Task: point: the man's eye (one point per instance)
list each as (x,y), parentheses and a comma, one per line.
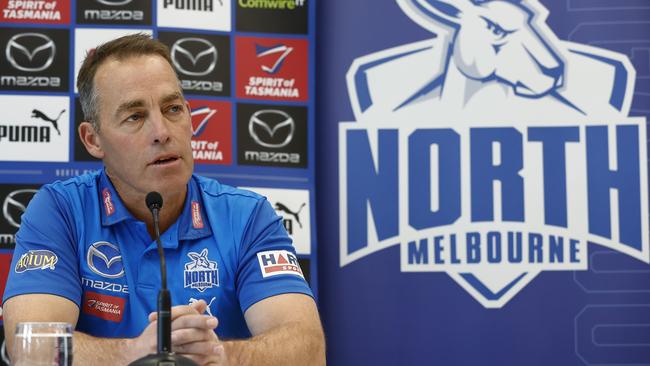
(134,117)
(175,109)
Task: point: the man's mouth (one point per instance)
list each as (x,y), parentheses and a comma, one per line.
(165,160)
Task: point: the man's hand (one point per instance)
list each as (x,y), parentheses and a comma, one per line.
(193,334)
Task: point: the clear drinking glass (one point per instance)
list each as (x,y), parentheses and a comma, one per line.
(42,344)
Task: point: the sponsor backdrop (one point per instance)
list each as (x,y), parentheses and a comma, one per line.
(245,66)
(483,186)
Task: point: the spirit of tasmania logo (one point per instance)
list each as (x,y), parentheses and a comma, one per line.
(493,151)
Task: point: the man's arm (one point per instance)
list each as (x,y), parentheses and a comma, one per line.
(87,349)
(286,331)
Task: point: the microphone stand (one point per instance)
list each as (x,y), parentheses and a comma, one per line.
(165,356)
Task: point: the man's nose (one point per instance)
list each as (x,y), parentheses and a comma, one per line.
(159,128)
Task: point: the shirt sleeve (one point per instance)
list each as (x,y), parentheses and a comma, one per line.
(269,265)
(45,259)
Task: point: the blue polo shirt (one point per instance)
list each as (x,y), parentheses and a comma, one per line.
(78,240)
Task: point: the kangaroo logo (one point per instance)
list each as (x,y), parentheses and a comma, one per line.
(38,114)
(201,273)
(461,143)
(281,207)
(497,53)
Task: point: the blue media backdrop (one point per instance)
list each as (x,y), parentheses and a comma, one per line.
(246,68)
(510,228)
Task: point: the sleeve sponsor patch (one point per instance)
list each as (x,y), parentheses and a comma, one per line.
(279,262)
(36,259)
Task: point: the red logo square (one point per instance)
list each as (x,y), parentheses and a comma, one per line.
(211,131)
(36,12)
(272,68)
(106,307)
(5,265)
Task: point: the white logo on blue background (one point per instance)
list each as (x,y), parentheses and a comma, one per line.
(201,273)
(492,151)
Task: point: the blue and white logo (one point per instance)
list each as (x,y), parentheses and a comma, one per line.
(201,273)
(492,151)
(105,259)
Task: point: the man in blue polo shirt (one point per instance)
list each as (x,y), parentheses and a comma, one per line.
(85,252)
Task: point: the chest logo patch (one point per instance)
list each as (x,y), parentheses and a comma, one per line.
(105,259)
(106,307)
(201,273)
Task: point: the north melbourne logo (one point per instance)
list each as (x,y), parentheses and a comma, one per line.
(496,138)
(201,273)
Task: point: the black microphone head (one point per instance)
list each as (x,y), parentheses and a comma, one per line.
(154,200)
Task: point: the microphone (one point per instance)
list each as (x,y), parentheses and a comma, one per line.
(165,356)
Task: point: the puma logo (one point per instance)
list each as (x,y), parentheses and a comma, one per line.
(283,208)
(38,114)
(207,309)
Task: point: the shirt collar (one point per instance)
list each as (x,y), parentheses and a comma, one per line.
(113,210)
(192,224)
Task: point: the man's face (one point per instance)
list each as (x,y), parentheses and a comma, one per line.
(145,133)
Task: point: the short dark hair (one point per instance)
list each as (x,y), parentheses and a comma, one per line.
(120,48)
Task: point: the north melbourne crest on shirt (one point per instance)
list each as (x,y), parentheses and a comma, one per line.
(201,273)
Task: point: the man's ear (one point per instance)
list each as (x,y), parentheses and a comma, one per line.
(90,138)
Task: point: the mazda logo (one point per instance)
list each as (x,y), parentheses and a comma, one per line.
(114,2)
(105,259)
(194,56)
(15,204)
(23,48)
(271,128)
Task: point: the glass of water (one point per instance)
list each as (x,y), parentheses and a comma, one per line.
(42,344)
